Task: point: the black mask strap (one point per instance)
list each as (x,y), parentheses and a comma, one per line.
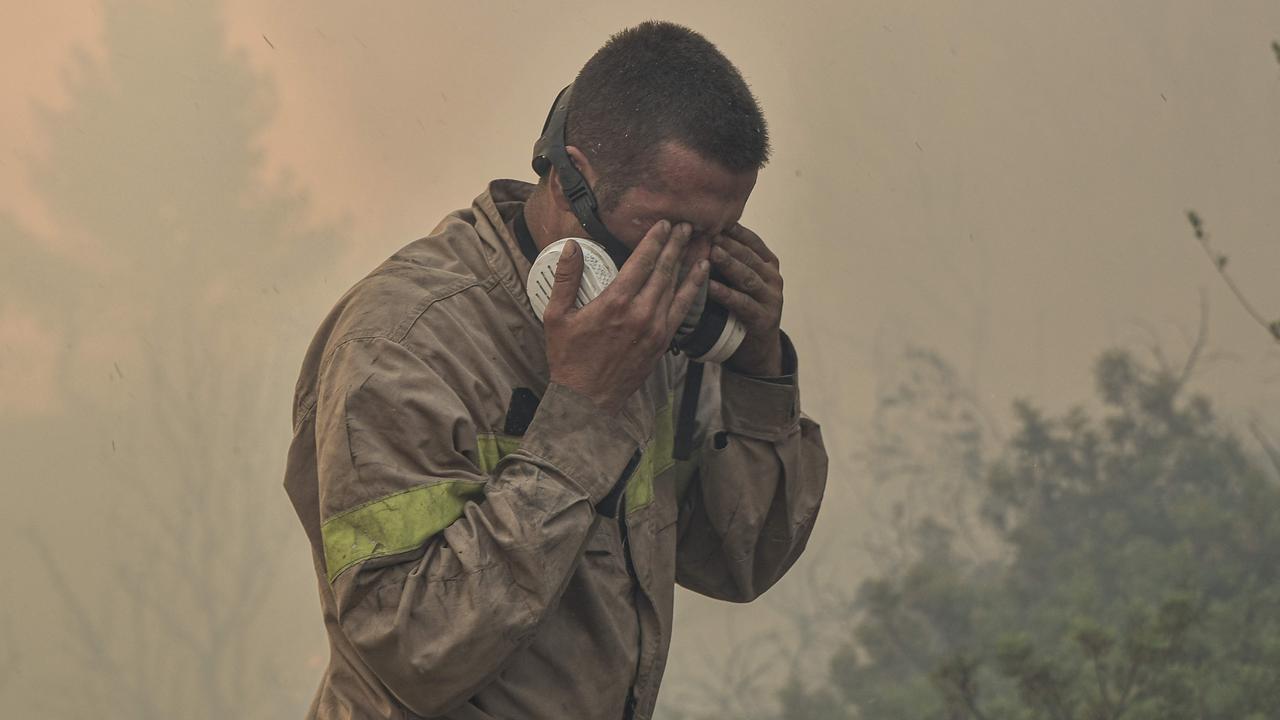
(525,238)
(550,152)
(683,445)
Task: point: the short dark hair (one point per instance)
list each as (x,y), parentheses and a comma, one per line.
(659,82)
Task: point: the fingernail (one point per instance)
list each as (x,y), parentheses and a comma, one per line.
(703,264)
(570,248)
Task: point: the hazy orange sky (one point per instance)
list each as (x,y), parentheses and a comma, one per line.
(1003,180)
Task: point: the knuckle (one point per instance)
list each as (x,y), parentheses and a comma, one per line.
(613,297)
(636,317)
(619,323)
(611,302)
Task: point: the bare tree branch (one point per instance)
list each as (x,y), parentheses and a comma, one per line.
(1219,261)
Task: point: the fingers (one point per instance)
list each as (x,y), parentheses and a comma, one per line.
(662,280)
(687,294)
(568,279)
(699,248)
(753,241)
(746,271)
(752,259)
(639,266)
(748,282)
(750,311)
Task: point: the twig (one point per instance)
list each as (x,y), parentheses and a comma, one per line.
(1220,264)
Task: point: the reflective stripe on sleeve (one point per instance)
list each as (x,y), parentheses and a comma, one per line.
(405,520)
(394,524)
(656,459)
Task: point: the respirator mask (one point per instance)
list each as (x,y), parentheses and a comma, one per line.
(709,332)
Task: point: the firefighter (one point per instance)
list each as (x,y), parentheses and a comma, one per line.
(502,475)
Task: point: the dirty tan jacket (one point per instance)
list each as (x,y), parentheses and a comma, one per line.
(465,570)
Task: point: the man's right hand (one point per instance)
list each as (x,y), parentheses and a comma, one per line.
(607,348)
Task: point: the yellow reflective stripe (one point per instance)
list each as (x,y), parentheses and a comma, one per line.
(492,448)
(395,523)
(656,459)
(403,521)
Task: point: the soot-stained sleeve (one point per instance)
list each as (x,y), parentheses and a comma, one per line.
(441,571)
(761,473)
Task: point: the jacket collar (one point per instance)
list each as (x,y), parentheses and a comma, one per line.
(493,209)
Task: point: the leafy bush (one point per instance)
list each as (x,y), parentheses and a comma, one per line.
(1141,579)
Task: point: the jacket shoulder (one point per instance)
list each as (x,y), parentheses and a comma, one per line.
(395,298)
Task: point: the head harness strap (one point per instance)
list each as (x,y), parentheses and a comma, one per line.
(550,152)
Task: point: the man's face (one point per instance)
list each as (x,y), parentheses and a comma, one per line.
(686,188)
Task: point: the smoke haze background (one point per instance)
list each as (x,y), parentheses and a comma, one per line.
(186,188)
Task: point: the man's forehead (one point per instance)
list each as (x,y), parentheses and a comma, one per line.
(678,164)
(686,187)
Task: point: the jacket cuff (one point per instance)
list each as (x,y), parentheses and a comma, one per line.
(788,376)
(590,446)
(766,408)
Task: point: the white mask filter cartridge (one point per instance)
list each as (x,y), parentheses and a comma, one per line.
(709,333)
(598,271)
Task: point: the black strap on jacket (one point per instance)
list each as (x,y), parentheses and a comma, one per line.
(683,446)
(525,238)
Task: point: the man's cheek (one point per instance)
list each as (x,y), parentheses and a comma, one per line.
(633,230)
(642,224)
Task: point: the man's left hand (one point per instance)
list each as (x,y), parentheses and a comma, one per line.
(754,294)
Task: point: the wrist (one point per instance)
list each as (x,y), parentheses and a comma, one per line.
(606,401)
(762,358)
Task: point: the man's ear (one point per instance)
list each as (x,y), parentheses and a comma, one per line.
(580,161)
(557,190)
